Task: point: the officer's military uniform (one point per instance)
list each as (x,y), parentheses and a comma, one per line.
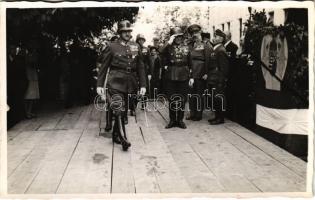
(155,70)
(217,77)
(126,69)
(231,49)
(145,55)
(176,58)
(199,58)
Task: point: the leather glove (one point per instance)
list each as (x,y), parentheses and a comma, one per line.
(191,82)
(205,77)
(142,91)
(171,40)
(100,91)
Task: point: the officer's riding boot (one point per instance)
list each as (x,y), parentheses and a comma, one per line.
(198,115)
(115,132)
(191,115)
(219,118)
(132,113)
(122,135)
(172,116)
(109,120)
(125,118)
(180,118)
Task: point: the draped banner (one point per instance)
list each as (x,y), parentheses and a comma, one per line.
(275,108)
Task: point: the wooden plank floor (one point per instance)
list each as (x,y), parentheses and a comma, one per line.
(62,152)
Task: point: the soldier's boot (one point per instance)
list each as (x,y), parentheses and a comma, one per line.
(122,134)
(109,120)
(172,116)
(219,118)
(198,116)
(180,122)
(115,133)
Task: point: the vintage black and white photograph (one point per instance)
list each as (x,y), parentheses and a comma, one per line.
(159,98)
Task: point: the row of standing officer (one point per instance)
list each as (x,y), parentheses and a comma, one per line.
(196,64)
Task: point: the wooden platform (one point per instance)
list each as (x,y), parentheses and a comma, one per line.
(61,152)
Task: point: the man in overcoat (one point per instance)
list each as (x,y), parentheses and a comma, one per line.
(217,77)
(120,74)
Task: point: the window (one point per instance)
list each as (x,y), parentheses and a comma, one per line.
(241,26)
(222,27)
(271,17)
(213,27)
(229,26)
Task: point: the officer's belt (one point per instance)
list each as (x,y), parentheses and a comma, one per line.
(124,69)
(214,70)
(178,66)
(199,59)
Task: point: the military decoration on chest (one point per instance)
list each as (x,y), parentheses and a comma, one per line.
(212,55)
(199,47)
(179,53)
(144,51)
(134,50)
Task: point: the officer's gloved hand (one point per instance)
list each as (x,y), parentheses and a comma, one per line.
(191,82)
(171,40)
(100,91)
(142,91)
(149,77)
(205,77)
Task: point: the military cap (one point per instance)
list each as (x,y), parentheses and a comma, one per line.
(124,26)
(153,47)
(113,38)
(220,33)
(140,36)
(193,27)
(176,31)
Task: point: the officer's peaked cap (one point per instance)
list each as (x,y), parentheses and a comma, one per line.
(177,31)
(220,33)
(193,27)
(113,38)
(124,25)
(140,36)
(153,47)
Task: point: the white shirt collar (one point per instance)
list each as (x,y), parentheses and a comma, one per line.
(216,46)
(227,43)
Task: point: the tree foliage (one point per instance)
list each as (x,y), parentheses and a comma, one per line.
(63,23)
(171,16)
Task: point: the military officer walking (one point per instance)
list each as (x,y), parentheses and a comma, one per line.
(217,77)
(199,58)
(122,67)
(177,74)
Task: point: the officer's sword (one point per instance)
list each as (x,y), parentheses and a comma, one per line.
(145,113)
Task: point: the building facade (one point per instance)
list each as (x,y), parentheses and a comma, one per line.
(233,19)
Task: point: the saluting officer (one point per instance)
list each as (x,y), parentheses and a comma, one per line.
(217,77)
(199,56)
(177,74)
(122,67)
